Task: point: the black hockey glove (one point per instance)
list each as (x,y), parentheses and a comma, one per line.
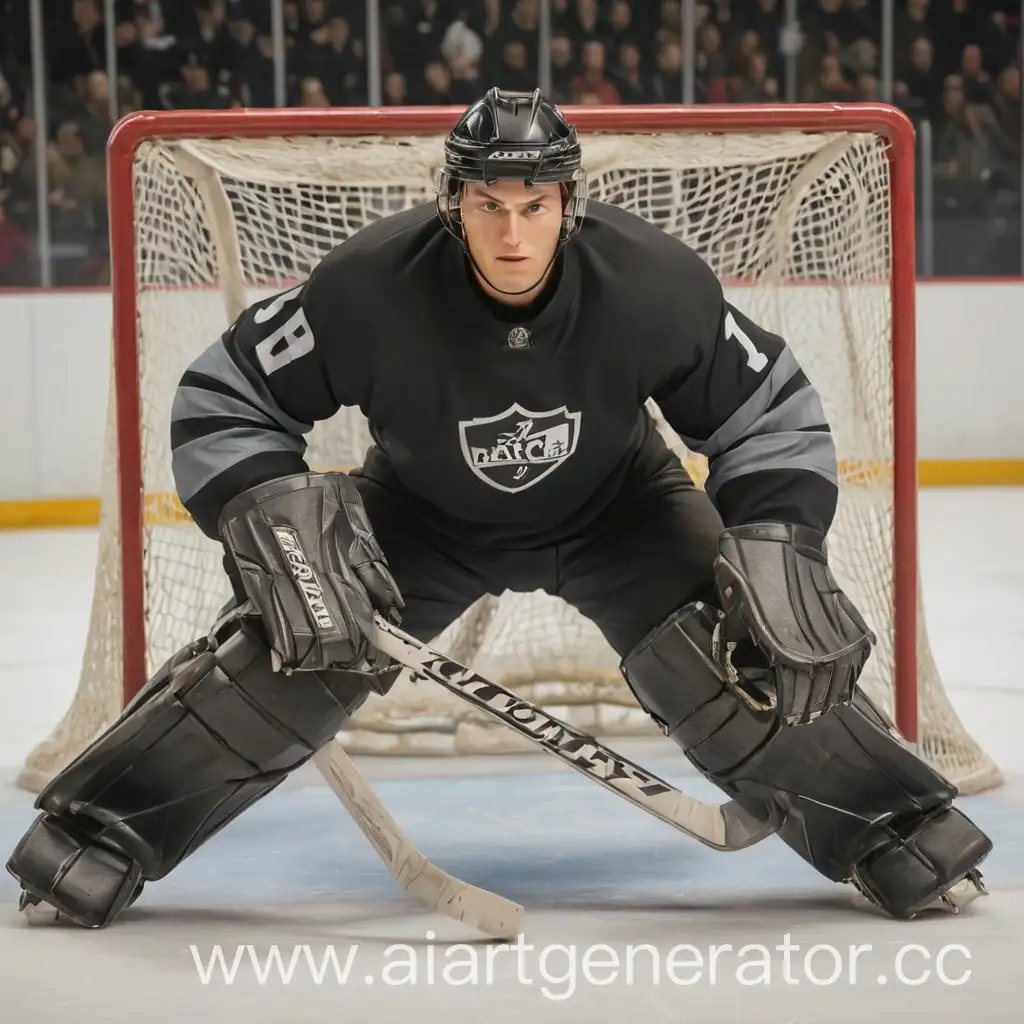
(778,594)
(308,560)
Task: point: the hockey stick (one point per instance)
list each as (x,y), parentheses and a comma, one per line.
(723,827)
(421,880)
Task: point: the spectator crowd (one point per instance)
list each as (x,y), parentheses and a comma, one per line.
(956,65)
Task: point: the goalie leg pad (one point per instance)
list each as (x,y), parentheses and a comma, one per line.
(215,730)
(859,805)
(58,862)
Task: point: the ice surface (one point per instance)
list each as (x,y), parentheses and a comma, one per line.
(295,872)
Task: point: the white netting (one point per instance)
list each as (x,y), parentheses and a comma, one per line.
(796,224)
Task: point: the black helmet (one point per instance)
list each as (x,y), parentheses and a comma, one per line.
(512,136)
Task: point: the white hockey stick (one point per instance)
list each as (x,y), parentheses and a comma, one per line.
(422,881)
(724,826)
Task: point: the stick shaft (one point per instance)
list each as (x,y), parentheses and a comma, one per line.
(421,880)
(722,827)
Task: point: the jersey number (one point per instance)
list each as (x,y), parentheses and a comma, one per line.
(756,360)
(293,339)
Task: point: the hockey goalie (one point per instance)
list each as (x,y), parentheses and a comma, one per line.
(503,342)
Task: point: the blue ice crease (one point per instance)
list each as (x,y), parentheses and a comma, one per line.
(533,837)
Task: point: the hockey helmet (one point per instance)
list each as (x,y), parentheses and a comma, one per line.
(513,136)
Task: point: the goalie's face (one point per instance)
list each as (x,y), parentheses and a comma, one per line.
(512,233)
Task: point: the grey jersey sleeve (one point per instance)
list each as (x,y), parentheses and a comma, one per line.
(739,397)
(243,406)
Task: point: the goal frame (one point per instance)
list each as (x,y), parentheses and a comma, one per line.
(880,119)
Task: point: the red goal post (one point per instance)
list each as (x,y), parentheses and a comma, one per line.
(877,119)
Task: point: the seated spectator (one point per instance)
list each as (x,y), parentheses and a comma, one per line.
(672,17)
(513,72)
(712,72)
(522,25)
(79,46)
(1006,109)
(414,31)
(332,56)
(311,93)
(314,17)
(828,17)
(94,116)
(999,43)
(959,23)
(976,83)
(396,92)
(911,23)
(621,29)
(253,66)
(467,85)
(563,68)
(919,90)
(592,77)
(195,91)
(77,199)
(973,204)
(18,170)
(866,88)
(743,47)
(462,49)
(964,149)
(292,18)
(628,76)
(436,88)
(763,17)
(667,81)
(863,20)
(831,86)
(860,57)
(709,50)
(582,21)
(157,57)
(756,85)
(210,40)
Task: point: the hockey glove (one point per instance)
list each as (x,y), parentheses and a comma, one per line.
(308,561)
(782,604)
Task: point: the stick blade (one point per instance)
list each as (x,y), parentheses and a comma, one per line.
(486,911)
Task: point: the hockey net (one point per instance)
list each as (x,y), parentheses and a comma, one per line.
(797,223)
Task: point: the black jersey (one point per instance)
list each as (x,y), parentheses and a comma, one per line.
(513,426)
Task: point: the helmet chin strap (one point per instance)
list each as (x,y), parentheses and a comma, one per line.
(525,291)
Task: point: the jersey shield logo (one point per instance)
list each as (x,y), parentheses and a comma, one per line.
(518,448)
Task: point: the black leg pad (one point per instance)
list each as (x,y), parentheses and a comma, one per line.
(58,863)
(214,731)
(907,874)
(860,806)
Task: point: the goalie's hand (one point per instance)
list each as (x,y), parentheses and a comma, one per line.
(778,593)
(306,556)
